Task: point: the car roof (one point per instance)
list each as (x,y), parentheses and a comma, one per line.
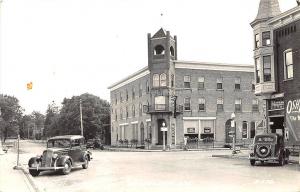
(71,137)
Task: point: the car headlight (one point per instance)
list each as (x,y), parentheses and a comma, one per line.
(55,156)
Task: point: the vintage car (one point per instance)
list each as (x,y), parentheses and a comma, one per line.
(94,144)
(269,147)
(62,154)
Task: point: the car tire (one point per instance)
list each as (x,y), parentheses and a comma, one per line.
(252,162)
(67,167)
(86,162)
(34,173)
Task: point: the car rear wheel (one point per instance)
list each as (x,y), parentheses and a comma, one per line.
(86,162)
(34,173)
(252,162)
(67,167)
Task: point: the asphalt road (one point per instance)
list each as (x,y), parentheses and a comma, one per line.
(167,171)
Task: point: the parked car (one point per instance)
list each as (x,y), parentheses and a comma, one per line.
(94,144)
(269,147)
(62,154)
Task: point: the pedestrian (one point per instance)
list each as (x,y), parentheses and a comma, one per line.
(185,142)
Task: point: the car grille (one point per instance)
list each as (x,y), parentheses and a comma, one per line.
(263,151)
(47,158)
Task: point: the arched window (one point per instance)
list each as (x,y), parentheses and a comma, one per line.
(155,80)
(163,80)
(159,50)
(172,51)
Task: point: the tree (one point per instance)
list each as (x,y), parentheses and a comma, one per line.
(51,127)
(39,120)
(11,115)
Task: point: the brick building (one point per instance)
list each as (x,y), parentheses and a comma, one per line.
(276,54)
(190,98)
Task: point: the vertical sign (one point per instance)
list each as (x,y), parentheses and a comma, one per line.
(173,133)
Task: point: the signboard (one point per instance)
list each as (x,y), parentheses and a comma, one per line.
(164,129)
(207,130)
(293,117)
(276,104)
(191,130)
(173,133)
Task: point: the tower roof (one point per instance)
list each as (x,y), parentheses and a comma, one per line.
(268,9)
(160,33)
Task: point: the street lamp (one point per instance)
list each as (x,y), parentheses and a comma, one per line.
(164,129)
(234,132)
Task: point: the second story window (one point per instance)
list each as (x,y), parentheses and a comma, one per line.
(257,70)
(155,80)
(220,83)
(187,104)
(266,38)
(201,83)
(163,80)
(201,104)
(237,83)
(255,105)
(220,104)
(256,43)
(160,103)
(267,68)
(238,105)
(288,63)
(187,81)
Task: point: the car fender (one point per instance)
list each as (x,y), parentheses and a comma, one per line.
(86,153)
(33,160)
(61,160)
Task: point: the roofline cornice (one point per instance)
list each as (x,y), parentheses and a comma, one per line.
(287,16)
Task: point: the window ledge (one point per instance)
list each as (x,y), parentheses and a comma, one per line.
(187,110)
(285,80)
(220,89)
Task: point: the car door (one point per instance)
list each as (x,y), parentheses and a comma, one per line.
(75,152)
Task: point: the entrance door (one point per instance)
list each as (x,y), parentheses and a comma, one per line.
(228,128)
(142,133)
(277,126)
(160,133)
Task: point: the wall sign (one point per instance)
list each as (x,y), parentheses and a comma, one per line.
(191,130)
(293,117)
(207,130)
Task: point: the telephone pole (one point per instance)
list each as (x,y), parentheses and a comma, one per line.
(81,124)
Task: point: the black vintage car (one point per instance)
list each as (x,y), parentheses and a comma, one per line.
(94,144)
(269,147)
(62,154)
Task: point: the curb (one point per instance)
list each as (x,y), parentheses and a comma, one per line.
(245,157)
(33,187)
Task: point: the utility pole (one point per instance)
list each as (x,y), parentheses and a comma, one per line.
(81,124)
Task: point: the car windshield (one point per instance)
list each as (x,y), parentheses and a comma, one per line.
(59,143)
(265,139)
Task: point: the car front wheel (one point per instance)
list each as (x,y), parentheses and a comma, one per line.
(67,167)
(252,162)
(34,173)
(86,162)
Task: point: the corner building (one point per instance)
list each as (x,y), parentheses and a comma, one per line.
(277,71)
(191,99)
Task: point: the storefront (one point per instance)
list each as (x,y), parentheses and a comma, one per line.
(292,117)
(199,127)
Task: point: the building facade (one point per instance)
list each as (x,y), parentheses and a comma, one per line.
(190,99)
(276,55)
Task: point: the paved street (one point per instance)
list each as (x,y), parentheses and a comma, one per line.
(166,171)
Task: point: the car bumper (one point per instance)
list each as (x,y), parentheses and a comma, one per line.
(45,168)
(264,159)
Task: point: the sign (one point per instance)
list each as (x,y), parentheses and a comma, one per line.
(276,104)
(191,130)
(173,133)
(293,117)
(207,130)
(164,129)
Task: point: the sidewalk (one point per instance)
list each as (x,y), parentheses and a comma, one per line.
(244,154)
(11,179)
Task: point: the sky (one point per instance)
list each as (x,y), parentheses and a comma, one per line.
(71,47)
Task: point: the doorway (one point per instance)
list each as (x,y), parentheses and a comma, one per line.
(228,128)
(160,133)
(277,125)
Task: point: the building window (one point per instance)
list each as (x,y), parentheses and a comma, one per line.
(288,63)
(187,104)
(245,130)
(220,83)
(266,38)
(187,81)
(140,90)
(163,80)
(257,70)
(252,129)
(121,98)
(155,80)
(126,95)
(126,111)
(160,103)
(256,41)
(159,50)
(201,104)
(133,110)
(116,99)
(201,83)
(220,104)
(116,116)
(237,83)
(133,93)
(238,105)
(147,87)
(172,80)
(140,109)
(267,68)
(255,105)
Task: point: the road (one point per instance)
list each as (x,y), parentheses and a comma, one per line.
(167,171)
